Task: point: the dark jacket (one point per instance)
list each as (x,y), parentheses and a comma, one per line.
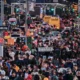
(68,77)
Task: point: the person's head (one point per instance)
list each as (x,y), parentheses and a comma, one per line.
(5,30)
(14,65)
(54,72)
(3,73)
(4,64)
(75,67)
(20,72)
(13,74)
(69,71)
(29,72)
(27,55)
(26,70)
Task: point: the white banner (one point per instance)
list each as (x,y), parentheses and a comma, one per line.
(56,1)
(3,27)
(45,49)
(31,6)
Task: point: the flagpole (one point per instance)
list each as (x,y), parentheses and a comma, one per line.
(26,26)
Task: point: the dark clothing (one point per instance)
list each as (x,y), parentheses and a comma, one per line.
(68,77)
(69,64)
(46,74)
(36,77)
(19,78)
(78,63)
(26,61)
(12,78)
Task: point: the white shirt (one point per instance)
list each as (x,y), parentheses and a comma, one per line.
(26,75)
(28,52)
(12,54)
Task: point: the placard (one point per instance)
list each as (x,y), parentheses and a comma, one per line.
(3,27)
(45,49)
(55,21)
(46,18)
(10,41)
(55,1)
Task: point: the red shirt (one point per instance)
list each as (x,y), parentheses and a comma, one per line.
(29,77)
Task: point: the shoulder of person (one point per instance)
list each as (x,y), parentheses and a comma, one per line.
(75,78)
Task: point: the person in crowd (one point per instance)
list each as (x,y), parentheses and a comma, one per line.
(33,61)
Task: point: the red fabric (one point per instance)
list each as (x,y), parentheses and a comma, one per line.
(1,40)
(62,65)
(6,33)
(54,66)
(24,48)
(29,77)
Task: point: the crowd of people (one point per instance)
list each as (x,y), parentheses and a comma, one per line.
(63,63)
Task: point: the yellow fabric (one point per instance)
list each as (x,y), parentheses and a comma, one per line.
(7,37)
(28,33)
(16,68)
(46,18)
(55,21)
(10,41)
